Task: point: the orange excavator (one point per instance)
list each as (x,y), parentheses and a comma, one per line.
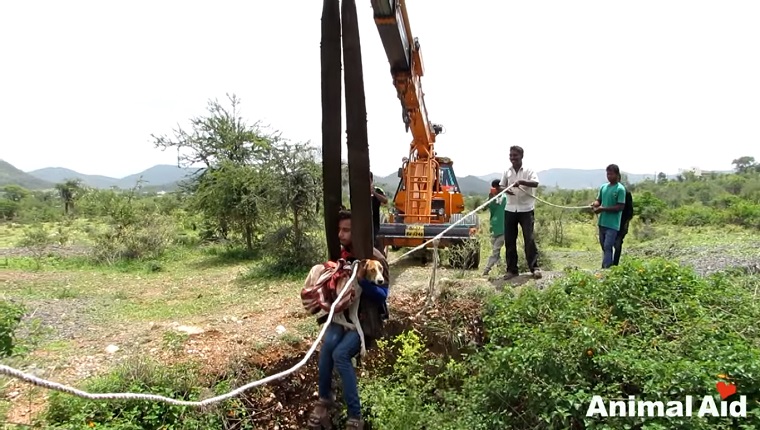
(428,199)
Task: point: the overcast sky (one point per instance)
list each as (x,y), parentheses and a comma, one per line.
(652,85)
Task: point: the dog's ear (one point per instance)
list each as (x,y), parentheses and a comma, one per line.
(362,269)
(375,266)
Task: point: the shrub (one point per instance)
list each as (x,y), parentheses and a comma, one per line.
(181,381)
(650,329)
(10,318)
(654,330)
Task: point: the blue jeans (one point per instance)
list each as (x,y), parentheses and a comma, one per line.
(338,347)
(607,237)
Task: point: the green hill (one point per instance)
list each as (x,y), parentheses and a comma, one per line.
(9,175)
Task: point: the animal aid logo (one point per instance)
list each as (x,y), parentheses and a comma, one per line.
(705,407)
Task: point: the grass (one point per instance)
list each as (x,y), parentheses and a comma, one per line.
(76,231)
(129,292)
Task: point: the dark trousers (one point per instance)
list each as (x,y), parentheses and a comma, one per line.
(376,242)
(618,247)
(607,241)
(525,220)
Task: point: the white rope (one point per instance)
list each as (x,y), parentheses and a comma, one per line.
(29,378)
(487,202)
(14,373)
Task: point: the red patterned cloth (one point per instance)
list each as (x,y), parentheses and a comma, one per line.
(323,285)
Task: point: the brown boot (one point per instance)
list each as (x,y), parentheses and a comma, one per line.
(320,418)
(355,424)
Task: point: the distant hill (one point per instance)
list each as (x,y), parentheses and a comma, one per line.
(573,179)
(467,184)
(163,176)
(166,177)
(9,175)
(61,174)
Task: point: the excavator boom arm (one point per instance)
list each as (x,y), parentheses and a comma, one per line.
(407,68)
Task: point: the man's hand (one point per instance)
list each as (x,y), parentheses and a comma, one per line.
(595,204)
(520,182)
(597,209)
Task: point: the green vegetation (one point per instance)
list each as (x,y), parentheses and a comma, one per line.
(652,329)
(84,269)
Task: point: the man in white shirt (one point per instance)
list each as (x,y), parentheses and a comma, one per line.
(520,211)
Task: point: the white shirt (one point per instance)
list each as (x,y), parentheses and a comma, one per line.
(523,200)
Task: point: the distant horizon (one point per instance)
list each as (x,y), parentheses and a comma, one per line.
(380,173)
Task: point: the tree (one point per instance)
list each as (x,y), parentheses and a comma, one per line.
(744,164)
(221,135)
(15,193)
(254,183)
(69,190)
(228,191)
(301,191)
(662,178)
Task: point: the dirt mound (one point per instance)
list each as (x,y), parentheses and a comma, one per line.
(449,327)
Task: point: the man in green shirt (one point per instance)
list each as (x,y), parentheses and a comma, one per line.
(496,208)
(609,205)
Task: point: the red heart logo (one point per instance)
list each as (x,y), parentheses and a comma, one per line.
(725,390)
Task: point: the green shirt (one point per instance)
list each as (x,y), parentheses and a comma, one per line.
(497,215)
(611,195)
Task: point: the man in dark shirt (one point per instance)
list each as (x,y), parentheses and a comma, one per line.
(378,199)
(624,224)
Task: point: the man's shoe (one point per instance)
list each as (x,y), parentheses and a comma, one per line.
(537,274)
(510,275)
(320,416)
(485,272)
(355,424)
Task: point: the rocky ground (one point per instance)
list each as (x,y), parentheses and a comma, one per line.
(57,250)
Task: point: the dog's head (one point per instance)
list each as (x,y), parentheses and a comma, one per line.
(371,270)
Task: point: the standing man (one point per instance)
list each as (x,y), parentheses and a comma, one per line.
(520,211)
(496,208)
(378,199)
(609,204)
(624,224)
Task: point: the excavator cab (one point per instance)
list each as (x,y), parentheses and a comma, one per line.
(447,207)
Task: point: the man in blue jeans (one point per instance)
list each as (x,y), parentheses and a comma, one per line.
(609,205)
(340,344)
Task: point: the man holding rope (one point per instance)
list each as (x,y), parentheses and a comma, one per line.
(496,209)
(609,205)
(520,210)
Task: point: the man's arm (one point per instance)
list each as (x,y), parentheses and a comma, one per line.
(532,180)
(503,184)
(380,194)
(617,208)
(374,292)
(619,205)
(598,202)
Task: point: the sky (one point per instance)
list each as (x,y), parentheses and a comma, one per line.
(651,85)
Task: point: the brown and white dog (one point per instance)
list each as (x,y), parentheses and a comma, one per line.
(371,270)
